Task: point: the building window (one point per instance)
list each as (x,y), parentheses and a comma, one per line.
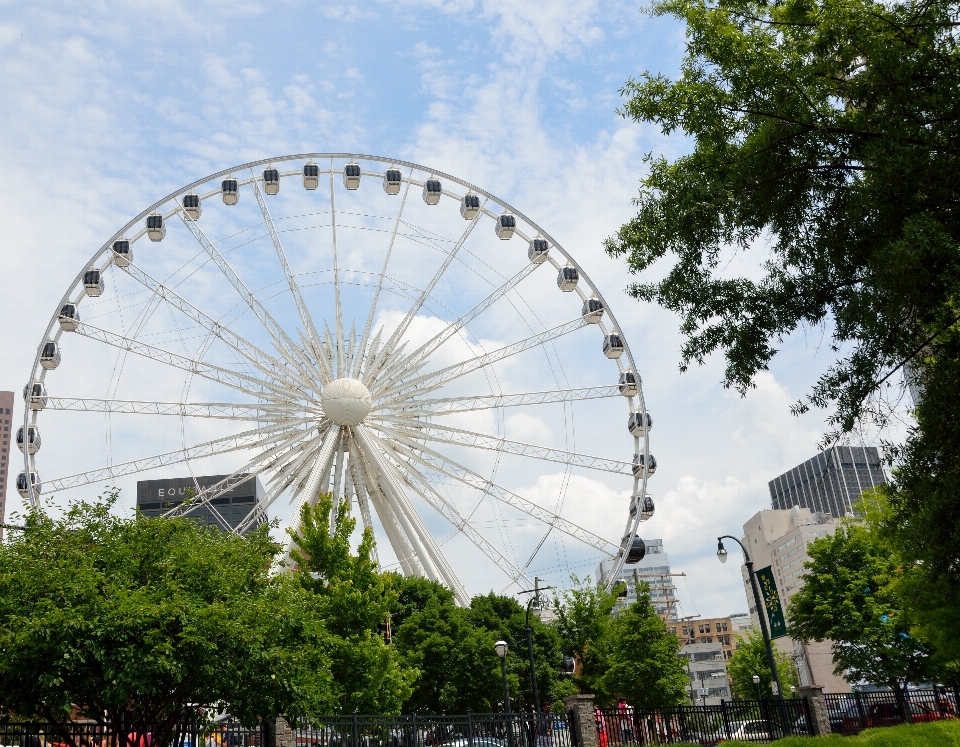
(707,627)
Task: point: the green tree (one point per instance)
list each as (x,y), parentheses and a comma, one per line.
(506,619)
(458,668)
(353,597)
(824,135)
(145,620)
(583,622)
(847,598)
(749,659)
(643,659)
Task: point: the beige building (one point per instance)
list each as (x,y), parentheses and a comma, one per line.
(714,629)
(779,539)
(707,673)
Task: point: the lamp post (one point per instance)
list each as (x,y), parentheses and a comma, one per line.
(756,684)
(501,648)
(722,556)
(533,603)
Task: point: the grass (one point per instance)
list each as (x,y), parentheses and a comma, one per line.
(933,734)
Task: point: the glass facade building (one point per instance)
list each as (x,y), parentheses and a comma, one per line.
(156,497)
(831,482)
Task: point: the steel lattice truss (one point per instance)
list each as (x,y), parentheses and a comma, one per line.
(381,444)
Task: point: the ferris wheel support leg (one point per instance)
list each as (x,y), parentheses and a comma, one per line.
(309,492)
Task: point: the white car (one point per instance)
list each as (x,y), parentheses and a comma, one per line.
(750,731)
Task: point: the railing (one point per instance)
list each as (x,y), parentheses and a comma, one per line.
(750,721)
(850,713)
(470,730)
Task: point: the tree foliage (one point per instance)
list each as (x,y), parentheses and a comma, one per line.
(848,598)
(825,136)
(749,659)
(643,662)
(352,598)
(146,620)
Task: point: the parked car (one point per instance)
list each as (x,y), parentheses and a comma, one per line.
(750,731)
(884,714)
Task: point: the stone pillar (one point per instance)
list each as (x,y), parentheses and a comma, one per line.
(819,720)
(583,719)
(279,734)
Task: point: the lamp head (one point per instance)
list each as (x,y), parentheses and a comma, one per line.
(756,679)
(501,648)
(721,551)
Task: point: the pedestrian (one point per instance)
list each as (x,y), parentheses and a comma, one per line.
(545,727)
(626,721)
(602,738)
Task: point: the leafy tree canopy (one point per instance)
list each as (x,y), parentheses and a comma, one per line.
(353,597)
(825,135)
(149,619)
(643,659)
(749,659)
(847,597)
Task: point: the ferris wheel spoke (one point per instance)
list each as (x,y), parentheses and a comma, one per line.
(305,319)
(212,410)
(363,500)
(336,277)
(266,363)
(246,440)
(458,370)
(282,342)
(418,304)
(437,462)
(402,548)
(309,493)
(434,562)
(262,462)
(234,379)
(446,509)
(454,327)
(451,405)
(360,358)
(459,437)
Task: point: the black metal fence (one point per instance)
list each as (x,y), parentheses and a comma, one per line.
(748,720)
(470,730)
(850,713)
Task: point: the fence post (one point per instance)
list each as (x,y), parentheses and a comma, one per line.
(818,720)
(863,713)
(356,732)
(581,706)
(726,721)
(469,729)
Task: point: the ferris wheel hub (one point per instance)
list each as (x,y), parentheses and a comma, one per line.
(346,401)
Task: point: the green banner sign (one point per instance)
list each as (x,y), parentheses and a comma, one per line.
(771,600)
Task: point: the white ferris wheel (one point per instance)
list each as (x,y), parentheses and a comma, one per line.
(374,328)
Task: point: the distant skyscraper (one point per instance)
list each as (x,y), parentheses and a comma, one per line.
(831,482)
(6,418)
(156,497)
(654,569)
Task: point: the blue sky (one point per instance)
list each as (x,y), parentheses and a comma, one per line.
(106,107)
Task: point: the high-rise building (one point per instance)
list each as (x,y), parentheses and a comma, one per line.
(156,497)
(654,570)
(779,539)
(707,672)
(830,482)
(6,418)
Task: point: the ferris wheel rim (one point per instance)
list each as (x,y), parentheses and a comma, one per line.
(38,373)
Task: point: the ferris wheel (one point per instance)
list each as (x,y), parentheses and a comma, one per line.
(376,329)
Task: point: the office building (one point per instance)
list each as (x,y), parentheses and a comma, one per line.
(707,672)
(779,539)
(830,483)
(156,497)
(714,629)
(6,443)
(654,569)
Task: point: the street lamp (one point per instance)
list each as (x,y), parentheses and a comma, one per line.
(793,691)
(501,648)
(722,557)
(534,603)
(756,683)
